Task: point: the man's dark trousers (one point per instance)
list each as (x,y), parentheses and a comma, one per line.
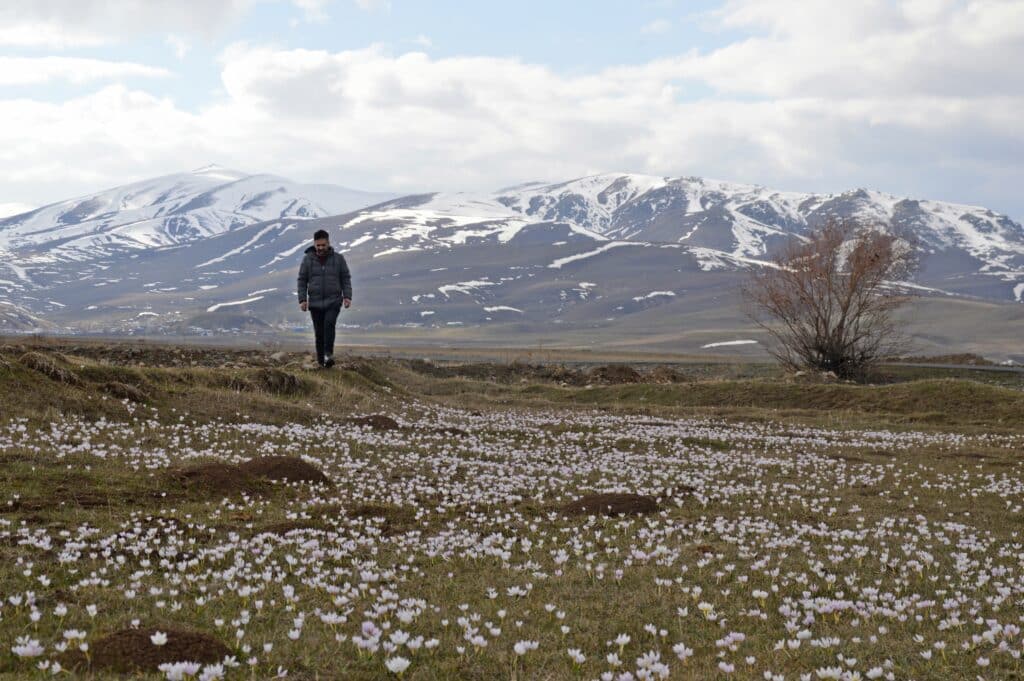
(324,321)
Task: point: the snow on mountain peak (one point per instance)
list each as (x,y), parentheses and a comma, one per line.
(172,210)
(215,171)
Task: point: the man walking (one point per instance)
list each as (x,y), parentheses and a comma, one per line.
(325,286)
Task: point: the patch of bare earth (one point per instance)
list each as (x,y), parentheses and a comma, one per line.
(132,650)
(278,382)
(223,478)
(290,468)
(612,504)
(216,477)
(615,374)
(375,421)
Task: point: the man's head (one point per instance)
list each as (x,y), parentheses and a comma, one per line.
(321,241)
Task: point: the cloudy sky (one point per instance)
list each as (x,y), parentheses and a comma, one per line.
(913,97)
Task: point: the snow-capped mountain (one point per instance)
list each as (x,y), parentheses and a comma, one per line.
(169,211)
(634,253)
(966,249)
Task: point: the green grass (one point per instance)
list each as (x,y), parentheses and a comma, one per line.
(759,474)
(76,491)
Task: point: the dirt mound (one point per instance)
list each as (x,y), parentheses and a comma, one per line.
(375,421)
(611,503)
(123,391)
(664,375)
(615,374)
(217,477)
(47,366)
(289,468)
(278,382)
(132,650)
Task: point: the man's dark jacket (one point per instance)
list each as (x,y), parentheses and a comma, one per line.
(327,284)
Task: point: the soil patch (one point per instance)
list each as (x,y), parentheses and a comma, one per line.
(612,504)
(217,477)
(278,382)
(664,375)
(132,650)
(375,421)
(615,374)
(290,468)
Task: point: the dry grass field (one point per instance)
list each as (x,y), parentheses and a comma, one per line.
(198,513)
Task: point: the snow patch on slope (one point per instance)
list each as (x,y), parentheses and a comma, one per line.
(214,308)
(557,264)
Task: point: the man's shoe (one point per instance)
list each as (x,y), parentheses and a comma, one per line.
(328,362)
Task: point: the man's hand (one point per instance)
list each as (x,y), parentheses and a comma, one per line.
(304,306)
(347,302)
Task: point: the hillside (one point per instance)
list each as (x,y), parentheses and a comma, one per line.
(613,258)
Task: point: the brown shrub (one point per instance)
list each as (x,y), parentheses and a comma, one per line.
(612,504)
(131,650)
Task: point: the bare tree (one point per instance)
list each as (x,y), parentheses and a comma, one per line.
(828,301)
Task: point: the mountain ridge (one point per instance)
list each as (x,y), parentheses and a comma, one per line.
(590,252)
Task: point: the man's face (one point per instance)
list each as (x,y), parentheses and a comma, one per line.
(321,246)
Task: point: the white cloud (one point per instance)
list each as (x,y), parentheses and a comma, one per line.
(861,100)
(873,48)
(313,10)
(178,44)
(63,24)
(33,70)
(77,23)
(657,26)
(423,41)
(31,34)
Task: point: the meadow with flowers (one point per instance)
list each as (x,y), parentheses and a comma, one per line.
(466,532)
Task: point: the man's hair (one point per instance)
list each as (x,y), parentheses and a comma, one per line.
(320,234)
